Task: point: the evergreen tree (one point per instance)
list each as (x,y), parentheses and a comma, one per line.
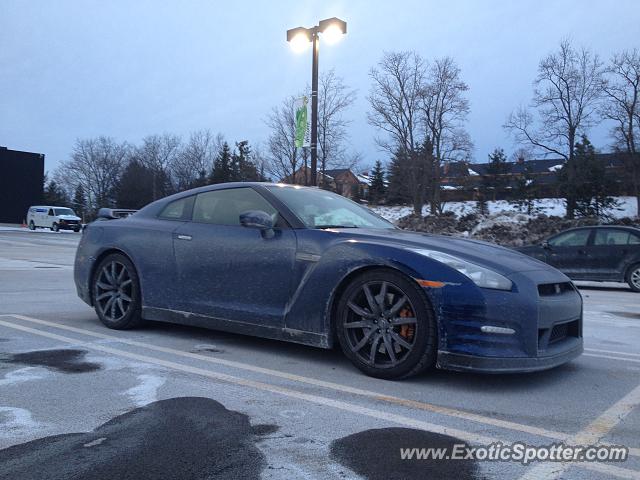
(525,192)
(54,195)
(222,166)
(242,167)
(80,202)
(377,189)
(399,170)
(495,178)
(589,184)
(136,185)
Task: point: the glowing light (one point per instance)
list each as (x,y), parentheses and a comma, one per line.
(332,34)
(300,42)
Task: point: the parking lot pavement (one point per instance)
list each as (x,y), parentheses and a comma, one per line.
(77,399)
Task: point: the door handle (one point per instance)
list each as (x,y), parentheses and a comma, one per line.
(582,252)
(184,237)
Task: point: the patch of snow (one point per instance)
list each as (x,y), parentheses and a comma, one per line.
(555,168)
(548,206)
(473,172)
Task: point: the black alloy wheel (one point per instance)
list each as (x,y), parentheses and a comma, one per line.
(386,326)
(116,293)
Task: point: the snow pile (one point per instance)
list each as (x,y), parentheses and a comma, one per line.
(506,228)
(548,206)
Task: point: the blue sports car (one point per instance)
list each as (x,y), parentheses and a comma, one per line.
(309,266)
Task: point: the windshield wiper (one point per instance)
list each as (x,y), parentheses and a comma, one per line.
(336,226)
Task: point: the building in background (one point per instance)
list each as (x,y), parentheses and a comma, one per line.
(21,179)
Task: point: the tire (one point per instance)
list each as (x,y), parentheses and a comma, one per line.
(55,227)
(633,277)
(116,293)
(406,328)
(32,226)
(76,230)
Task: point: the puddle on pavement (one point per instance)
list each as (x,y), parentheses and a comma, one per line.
(633,315)
(62,360)
(187,437)
(375,454)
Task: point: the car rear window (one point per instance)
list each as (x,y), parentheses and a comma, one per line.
(614,237)
(178,209)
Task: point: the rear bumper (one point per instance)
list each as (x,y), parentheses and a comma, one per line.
(461,362)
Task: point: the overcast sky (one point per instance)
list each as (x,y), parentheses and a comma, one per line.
(126,69)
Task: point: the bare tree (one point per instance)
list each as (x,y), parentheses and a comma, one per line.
(395,100)
(284,158)
(622,106)
(566,94)
(334,97)
(445,110)
(95,165)
(195,160)
(158,153)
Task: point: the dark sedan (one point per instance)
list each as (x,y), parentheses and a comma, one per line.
(309,266)
(602,253)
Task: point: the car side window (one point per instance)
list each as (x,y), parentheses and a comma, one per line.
(178,209)
(611,237)
(634,239)
(576,238)
(50,212)
(223,207)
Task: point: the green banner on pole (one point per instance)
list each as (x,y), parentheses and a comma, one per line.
(303,130)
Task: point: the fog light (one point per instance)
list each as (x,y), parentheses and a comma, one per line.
(500,330)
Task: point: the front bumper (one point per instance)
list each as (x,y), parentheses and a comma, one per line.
(541,325)
(461,362)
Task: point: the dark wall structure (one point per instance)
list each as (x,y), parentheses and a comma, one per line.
(21,178)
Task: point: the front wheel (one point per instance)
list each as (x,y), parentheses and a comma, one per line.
(385,325)
(633,277)
(55,227)
(116,293)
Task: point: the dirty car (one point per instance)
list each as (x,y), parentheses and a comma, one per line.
(309,266)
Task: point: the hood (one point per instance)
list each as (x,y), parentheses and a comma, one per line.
(500,259)
(68,217)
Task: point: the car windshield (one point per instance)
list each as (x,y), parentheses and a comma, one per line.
(321,209)
(64,211)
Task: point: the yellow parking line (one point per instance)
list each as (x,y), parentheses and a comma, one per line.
(593,433)
(316,399)
(590,435)
(614,352)
(319,383)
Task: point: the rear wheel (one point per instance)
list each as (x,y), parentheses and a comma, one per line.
(116,293)
(633,277)
(385,325)
(32,226)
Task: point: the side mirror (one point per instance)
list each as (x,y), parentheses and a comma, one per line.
(256,219)
(106,214)
(546,245)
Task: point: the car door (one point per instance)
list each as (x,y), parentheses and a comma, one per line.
(567,252)
(610,252)
(231,271)
(51,216)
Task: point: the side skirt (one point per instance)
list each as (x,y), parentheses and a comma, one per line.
(212,323)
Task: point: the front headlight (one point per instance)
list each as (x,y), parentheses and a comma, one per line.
(481,276)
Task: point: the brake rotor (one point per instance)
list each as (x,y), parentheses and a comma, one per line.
(408,330)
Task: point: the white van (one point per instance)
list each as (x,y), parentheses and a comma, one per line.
(55,218)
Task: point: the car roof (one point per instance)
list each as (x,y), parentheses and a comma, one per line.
(47,206)
(600,227)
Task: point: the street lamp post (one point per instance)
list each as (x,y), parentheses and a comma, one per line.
(299,38)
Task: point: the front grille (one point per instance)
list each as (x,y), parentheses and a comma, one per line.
(551,289)
(558,333)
